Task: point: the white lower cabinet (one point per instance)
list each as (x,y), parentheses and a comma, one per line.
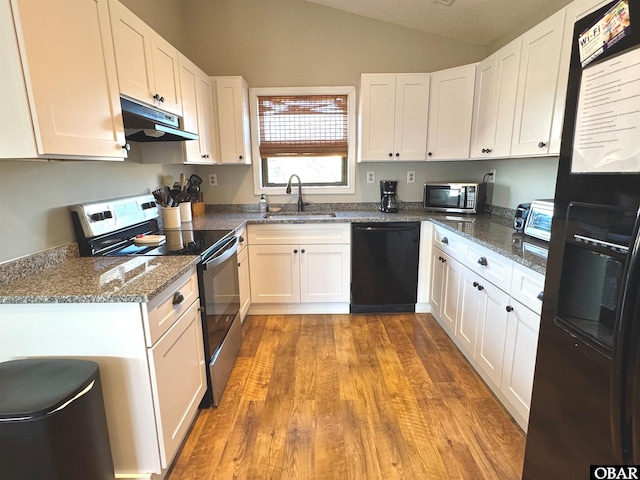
(300,273)
(492,330)
(151,360)
(244,281)
(178,380)
(297,265)
(520,359)
(487,321)
(445,285)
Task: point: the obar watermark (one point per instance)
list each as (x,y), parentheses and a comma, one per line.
(615,472)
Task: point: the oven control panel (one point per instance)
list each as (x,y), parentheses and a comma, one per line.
(99,218)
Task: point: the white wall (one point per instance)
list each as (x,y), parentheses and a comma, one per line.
(297,43)
(517,181)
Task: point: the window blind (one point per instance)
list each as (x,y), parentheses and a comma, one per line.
(303,125)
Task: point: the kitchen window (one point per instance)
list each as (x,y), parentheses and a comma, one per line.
(307,131)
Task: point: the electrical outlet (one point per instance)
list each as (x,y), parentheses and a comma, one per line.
(492,177)
(371,177)
(411,176)
(213,180)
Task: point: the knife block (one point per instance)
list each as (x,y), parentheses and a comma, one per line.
(197,208)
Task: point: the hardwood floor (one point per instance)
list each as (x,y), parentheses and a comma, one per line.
(351,397)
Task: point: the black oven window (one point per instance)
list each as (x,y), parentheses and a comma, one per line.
(589,293)
(443,197)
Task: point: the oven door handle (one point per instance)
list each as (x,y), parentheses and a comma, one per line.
(223,254)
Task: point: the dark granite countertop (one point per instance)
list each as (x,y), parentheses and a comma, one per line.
(60,276)
(490,231)
(98,280)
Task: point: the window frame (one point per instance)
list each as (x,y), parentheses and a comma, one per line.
(350,91)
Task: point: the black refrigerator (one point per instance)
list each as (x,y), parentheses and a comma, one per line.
(585,408)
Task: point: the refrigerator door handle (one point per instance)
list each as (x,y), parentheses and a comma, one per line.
(624,365)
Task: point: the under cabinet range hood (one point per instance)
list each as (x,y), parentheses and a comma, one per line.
(147,124)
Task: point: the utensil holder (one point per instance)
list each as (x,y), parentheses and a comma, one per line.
(185,211)
(170,217)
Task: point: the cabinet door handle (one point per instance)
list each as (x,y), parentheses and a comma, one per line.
(397,154)
(480,288)
(178,298)
(240,157)
(429,154)
(158,98)
(238,263)
(295,250)
(390,154)
(302,251)
(540,296)
(541,144)
(509,308)
(482,261)
(475,284)
(126,147)
(445,240)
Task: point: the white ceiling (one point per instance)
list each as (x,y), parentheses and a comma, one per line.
(477,22)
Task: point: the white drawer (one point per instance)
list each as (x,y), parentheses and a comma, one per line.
(449,242)
(283,234)
(527,287)
(166,308)
(490,265)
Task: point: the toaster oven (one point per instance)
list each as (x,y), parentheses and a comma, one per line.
(538,223)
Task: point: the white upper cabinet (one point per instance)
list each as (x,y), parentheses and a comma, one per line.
(574,12)
(197,106)
(147,64)
(495,102)
(232,108)
(537,83)
(58,81)
(450,113)
(393,117)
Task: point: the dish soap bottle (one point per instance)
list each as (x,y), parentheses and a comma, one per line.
(263,203)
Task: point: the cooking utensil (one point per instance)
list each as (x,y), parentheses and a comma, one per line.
(195,180)
(168,181)
(161,196)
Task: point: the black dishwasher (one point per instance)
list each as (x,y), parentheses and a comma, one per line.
(384,266)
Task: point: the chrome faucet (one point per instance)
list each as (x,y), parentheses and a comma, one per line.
(300,202)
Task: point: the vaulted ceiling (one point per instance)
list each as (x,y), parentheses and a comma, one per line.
(477,22)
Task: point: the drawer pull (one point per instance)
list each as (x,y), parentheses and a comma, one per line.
(178,298)
(482,261)
(540,296)
(509,308)
(445,240)
(480,288)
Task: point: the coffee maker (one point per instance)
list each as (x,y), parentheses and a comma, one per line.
(388,197)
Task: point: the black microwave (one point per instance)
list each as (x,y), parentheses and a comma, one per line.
(455,197)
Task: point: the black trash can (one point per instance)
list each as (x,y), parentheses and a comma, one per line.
(52,421)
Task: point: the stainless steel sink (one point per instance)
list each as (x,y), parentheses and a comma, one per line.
(298,215)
